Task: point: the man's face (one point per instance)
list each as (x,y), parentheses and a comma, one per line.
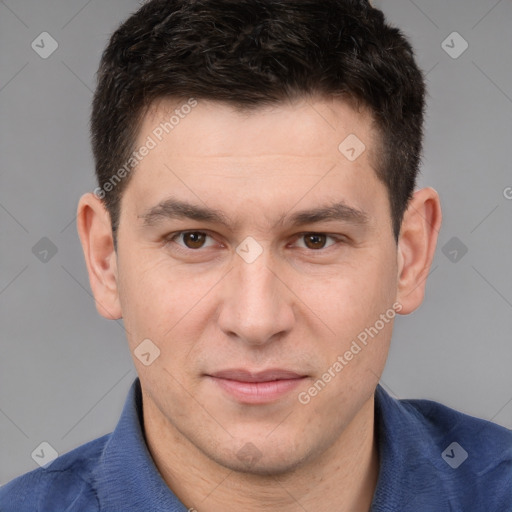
(265,295)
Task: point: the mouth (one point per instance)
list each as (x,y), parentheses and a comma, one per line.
(256,387)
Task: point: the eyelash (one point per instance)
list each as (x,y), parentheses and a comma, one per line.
(179,248)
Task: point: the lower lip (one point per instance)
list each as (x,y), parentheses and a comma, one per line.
(258,392)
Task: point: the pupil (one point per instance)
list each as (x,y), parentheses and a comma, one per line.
(194,240)
(315,240)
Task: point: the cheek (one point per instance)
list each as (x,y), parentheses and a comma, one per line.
(351,297)
(157,296)
(148,296)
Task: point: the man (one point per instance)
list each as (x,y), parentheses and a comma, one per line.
(257,227)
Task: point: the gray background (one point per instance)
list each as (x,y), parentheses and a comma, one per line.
(65,371)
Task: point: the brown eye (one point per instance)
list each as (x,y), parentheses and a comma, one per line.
(315,240)
(194,239)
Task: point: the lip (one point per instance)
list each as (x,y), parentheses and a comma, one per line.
(256,387)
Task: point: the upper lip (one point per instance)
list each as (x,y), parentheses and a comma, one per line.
(261,376)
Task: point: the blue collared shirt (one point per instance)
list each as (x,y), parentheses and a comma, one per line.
(432,459)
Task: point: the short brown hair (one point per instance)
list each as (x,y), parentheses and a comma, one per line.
(251,53)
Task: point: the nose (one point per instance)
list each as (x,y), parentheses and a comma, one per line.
(257,306)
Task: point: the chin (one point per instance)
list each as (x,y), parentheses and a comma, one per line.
(268,461)
(263,467)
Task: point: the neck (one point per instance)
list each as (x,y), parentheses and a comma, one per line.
(343,478)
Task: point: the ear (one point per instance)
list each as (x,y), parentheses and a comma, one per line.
(416,247)
(95,231)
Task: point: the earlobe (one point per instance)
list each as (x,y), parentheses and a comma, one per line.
(416,247)
(95,232)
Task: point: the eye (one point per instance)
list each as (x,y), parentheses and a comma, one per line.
(315,241)
(191,239)
(195,240)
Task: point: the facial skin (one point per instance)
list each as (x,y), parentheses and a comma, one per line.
(297,307)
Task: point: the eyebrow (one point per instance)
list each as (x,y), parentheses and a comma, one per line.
(177,209)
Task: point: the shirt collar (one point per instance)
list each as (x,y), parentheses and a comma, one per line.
(130,480)
(410,477)
(126,460)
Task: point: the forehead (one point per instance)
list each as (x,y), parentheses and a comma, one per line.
(264,160)
(305,127)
